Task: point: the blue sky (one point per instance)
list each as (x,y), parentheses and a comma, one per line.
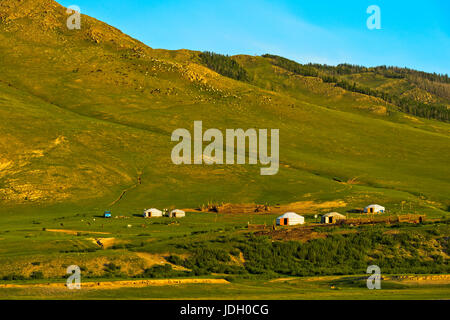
(414,34)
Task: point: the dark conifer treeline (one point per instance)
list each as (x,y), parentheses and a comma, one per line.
(433,83)
(223,65)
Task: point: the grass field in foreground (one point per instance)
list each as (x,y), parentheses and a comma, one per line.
(341,287)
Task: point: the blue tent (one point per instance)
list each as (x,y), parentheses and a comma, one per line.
(107,214)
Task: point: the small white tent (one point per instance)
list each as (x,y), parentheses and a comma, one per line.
(177,213)
(290,219)
(374,208)
(332,217)
(151,213)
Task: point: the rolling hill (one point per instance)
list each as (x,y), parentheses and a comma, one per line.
(87,117)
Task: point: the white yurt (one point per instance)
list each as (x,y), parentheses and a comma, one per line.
(374,208)
(177,213)
(290,219)
(332,217)
(152,213)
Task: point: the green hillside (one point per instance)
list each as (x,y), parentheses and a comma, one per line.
(88,114)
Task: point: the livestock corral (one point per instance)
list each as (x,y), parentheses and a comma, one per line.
(318,230)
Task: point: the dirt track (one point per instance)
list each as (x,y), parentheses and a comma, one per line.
(121,284)
(422,279)
(75,231)
(418,279)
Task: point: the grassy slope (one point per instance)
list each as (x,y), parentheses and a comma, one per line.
(124,99)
